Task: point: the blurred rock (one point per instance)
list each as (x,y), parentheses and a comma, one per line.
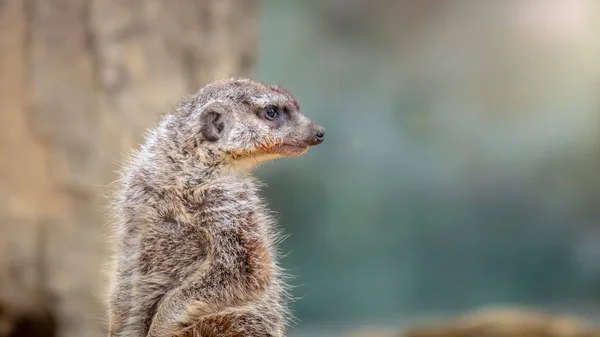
(507,322)
(80,83)
(496,322)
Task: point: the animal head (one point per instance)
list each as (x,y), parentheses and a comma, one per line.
(247,121)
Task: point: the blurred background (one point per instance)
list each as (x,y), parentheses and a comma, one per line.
(460,170)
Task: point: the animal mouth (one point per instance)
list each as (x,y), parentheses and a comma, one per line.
(272,149)
(287,149)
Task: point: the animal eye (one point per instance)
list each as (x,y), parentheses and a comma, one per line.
(271,112)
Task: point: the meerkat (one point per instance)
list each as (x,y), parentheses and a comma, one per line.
(196,246)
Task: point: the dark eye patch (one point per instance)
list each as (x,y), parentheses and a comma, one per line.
(272,112)
(276,114)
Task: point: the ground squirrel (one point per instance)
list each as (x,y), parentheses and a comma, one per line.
(196,251)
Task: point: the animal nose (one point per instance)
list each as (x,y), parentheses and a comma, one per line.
(319,135)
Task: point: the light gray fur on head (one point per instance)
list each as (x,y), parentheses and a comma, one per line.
(244,133)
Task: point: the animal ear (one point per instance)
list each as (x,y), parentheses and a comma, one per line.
(213,124)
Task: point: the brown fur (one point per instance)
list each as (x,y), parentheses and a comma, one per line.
(196,251)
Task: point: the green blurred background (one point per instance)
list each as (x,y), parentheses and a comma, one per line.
(461,165)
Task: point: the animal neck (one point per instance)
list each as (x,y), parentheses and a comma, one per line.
(185,170)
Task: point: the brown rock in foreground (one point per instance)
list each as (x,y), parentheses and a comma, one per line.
(496,322)
(80,83)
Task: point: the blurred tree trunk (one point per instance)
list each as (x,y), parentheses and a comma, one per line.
(80,82)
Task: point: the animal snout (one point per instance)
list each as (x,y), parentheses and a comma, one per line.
(319,134)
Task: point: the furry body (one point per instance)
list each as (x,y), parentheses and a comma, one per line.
(196,252)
